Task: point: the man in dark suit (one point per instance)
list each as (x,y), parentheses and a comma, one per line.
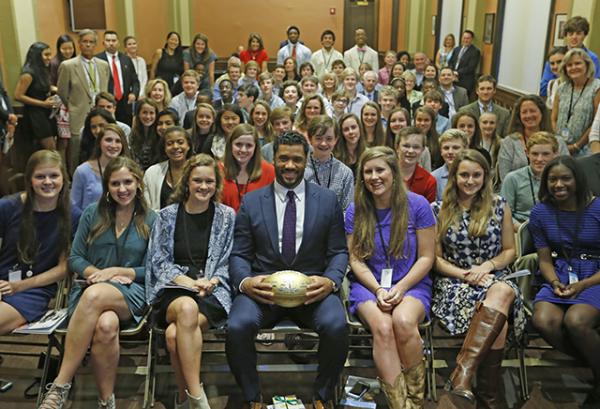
(455,97)
(288,225)
(464,62)
(486,89)
(123,82)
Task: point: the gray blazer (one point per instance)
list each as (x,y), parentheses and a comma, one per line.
(161,268)
(502,114)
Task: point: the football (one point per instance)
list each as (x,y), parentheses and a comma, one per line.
(289,287)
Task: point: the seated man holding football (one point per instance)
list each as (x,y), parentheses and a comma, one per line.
(288,225)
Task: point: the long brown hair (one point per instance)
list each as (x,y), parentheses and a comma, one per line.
(27,246)
(379,132)
(120,133)
(267,132)
(341,151)
(363,242)
(107,206)
(482,206)
(231,166)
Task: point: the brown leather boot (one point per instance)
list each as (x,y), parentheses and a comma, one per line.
(485,326)
(488,379)
(415,386)
(396,393)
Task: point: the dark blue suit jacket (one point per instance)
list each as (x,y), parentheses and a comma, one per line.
(323,250)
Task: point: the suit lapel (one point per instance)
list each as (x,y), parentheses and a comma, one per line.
(270,217)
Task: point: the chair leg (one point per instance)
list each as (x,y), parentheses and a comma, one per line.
(148,371)
(44,378)
(431,363)
(523,374)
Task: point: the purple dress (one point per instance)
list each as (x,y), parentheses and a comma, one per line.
(556,230)
(419,217)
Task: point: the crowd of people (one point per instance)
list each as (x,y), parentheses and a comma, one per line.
(174,188)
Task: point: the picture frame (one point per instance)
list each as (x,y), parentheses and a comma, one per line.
(559,34)
(488,28)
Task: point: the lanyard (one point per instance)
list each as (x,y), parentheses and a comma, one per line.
(388,261)
(361,55)
(531,187)
(312,163)
(99,167)
(573,105)
(326,62)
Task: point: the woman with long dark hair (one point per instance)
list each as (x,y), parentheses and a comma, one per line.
(33,90)
(144,137)
(200,53)
(228,118)
(167,62)
(65,49)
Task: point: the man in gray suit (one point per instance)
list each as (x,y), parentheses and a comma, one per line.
(80,79)
(486,89)
(455,97)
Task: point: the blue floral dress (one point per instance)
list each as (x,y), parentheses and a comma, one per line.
(454,300)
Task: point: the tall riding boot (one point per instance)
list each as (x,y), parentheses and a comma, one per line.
(485,326)
(488,379)
(415,386)
(396,393)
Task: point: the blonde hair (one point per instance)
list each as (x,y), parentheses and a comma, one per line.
(182,190)
(542,138)
(152,83)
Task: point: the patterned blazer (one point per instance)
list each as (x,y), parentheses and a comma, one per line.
(161,268)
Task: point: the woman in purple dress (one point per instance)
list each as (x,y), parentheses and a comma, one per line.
(565,226)
(391,252)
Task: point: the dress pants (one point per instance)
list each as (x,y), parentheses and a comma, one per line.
(327,318)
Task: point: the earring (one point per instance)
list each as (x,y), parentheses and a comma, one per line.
(107,197)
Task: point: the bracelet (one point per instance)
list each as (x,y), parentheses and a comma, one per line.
(377,289)
(552,282)
(493,264)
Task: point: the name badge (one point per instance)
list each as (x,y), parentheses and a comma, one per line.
(572,276)
(564,133)
(14,276)
(386,277)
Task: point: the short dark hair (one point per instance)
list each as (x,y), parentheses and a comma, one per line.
(290,138)
(582,191)
(557,50)
(105,95)
(487,78)
(250,90)
(109,32)
(575,24)
(169,112)
(470,32)
(327,32)
(292,28)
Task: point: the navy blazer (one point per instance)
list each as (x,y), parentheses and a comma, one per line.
(323,250)
(131,83)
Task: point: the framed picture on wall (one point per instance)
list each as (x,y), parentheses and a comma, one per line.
(488,28)
(559,30)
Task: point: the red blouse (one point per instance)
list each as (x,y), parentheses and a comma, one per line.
(233,192)
(258,56)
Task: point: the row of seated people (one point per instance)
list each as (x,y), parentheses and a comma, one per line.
(127,254)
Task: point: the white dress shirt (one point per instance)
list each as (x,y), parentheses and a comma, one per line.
(322,60)
(109,57)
